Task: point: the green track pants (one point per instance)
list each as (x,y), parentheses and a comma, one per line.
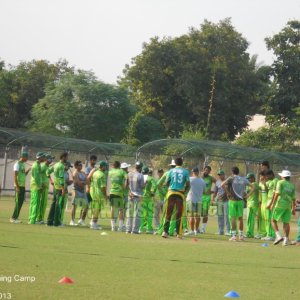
(43,204)
(147,214)
(35,198)
(19,200)
(251,219)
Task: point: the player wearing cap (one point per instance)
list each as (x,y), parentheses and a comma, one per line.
(263,199)
(118,183)
(35,187)
(252,204)
(124,167)
(147,204)
(220,197)
(54,216)
(134,210)
(206,198)
(45,178)
(283,206)
(235,186)
(98,179)
(178,180)
(80,198)
(271,187)
(19,183)
(194,201)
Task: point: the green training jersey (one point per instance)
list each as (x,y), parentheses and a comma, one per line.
(44,176)
(98,181)
(287,194)
(35,180)
(150,187)
(59,175)
(271,185)
(21,177)
(253,199)
(263,194)
(208,184)
(117,179)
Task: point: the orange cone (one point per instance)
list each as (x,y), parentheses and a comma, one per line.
(66,280)
(194,240)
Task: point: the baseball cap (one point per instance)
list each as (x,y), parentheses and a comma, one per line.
(40,155)
(68,164)
(250,175)
(145,170)
(285,173)
(195,170)
(102,163)
(49,156)
(125,165)
(221,172)
(172,163)
(139,164)
(24,154)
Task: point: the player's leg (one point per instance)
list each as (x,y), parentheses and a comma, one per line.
(34,204)
(169,211)
(19,200)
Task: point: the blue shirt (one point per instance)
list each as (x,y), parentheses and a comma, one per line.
(177,178)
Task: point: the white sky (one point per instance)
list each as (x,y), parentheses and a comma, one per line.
(103,35)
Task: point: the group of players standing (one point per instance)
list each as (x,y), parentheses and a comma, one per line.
(175,201)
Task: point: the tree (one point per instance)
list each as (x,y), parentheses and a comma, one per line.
(22,86)
(80,106)
(204,78)
(286,74)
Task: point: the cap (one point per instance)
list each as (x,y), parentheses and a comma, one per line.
(40,155)
(24,154)
(172,163)
(125,165)
(68,164)
(285,173)
(102,163)
(195,170)
(49,157)
(139,164)
(250,175)
(221,172)
(145,170)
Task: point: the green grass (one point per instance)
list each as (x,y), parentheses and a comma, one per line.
(120,266)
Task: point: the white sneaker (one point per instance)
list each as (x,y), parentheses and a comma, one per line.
(258,236)
(188,233)
(202,231)
(95,226)
(278,240)
(227,233)
(114,229)
(72,223)
(285,242)
(233,238)
(149,232)
(164,235)
(81,223)
(268,238)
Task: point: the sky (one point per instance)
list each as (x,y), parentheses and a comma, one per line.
(103,36)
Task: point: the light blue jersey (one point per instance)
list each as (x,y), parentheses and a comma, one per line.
(177,178)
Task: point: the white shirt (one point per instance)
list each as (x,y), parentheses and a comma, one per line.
(16,167)
(196,190)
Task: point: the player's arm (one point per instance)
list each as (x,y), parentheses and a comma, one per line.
(276,195)
(91,174)
(16,181)
(252,190)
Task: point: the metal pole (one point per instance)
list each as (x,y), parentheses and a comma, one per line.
(4,170)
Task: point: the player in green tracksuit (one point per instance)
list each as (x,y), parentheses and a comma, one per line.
(263,198)
(35,188)
(148,201)
(19,183)
(283,206)
(67,182)
(45,177)
(252,205)
(271,187)
(206,197)
(98,179)
(118,184)
(54,217)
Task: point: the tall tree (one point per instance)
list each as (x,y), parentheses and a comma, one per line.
(204,78)
(78,105)
(286,73)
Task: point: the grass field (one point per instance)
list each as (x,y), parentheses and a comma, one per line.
(120,266)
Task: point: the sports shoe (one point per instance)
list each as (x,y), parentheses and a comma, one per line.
(113,229)
(179,237)
(268,238)
(295,243)
(285,242)
(227,233)
(72,223)
(241,238)
(198,230)
(81,223)
(15,221)
(258,236)
(149,232)
(278,240)
(202,231)
(164,235)
(233,238)
(140,231)
(95,226)
(188,233)
(135,232)
(219,233)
